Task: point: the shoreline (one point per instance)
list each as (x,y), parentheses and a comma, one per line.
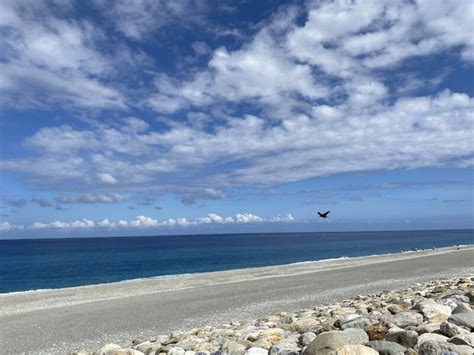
(416,253)
(57,321)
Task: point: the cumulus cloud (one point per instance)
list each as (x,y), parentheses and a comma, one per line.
(5,226)
(149,222)
(78,224)
(107,178)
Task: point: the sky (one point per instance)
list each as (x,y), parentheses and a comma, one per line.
(143,117)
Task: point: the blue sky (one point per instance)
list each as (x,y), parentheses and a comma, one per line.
(136,117)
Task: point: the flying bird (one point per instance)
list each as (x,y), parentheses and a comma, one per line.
(323,215)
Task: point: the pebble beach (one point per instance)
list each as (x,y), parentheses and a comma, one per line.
(402,303)
(426,319)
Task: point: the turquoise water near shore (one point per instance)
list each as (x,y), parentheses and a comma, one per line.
(55,263)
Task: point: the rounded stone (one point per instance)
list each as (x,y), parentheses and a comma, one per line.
(107,347)
(356,336)
(306,324)
(376,331)
(406,318)
(450,330)
(439,347)
(307,338)
(463,339)
(406,338)
(462,308)
(433,312)
(233,346)
(285,348)
(256,351)
(465,319)
(360,322)
(328,340)
(355,350)
(176,351)
(430,337)
(386,347)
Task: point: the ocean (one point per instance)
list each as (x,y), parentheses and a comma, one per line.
(32,264)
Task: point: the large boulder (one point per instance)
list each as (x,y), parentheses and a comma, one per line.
(407,318)
(268,341)
(430,337)
(450,329)
(345,318)
(326,341)
(441,347)
(360,322)
(433,312)
(427,328)
(406,338)
(387,347)
(465,319)
(307,324)
(285,348)
(462,308)
(306,338)
(356,336)
(233,346)
(376,331)
(463,339)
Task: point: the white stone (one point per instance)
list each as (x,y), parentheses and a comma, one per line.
(256,351)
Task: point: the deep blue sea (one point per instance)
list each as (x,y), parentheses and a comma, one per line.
(55,263)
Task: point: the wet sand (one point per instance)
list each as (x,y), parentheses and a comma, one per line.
(57,321)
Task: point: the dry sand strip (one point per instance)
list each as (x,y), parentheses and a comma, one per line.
(57,321)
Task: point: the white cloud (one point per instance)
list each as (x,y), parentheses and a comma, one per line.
(142,221)
(320,103)
(409,133)
(39,225)
(107,178)
(90,198)
(105,223)
(285,218)
(78,224)
(138,18)
(247,218)
(47,60)
(211,192)
(61,140)
(149,222)
(259,71)
(5,226)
